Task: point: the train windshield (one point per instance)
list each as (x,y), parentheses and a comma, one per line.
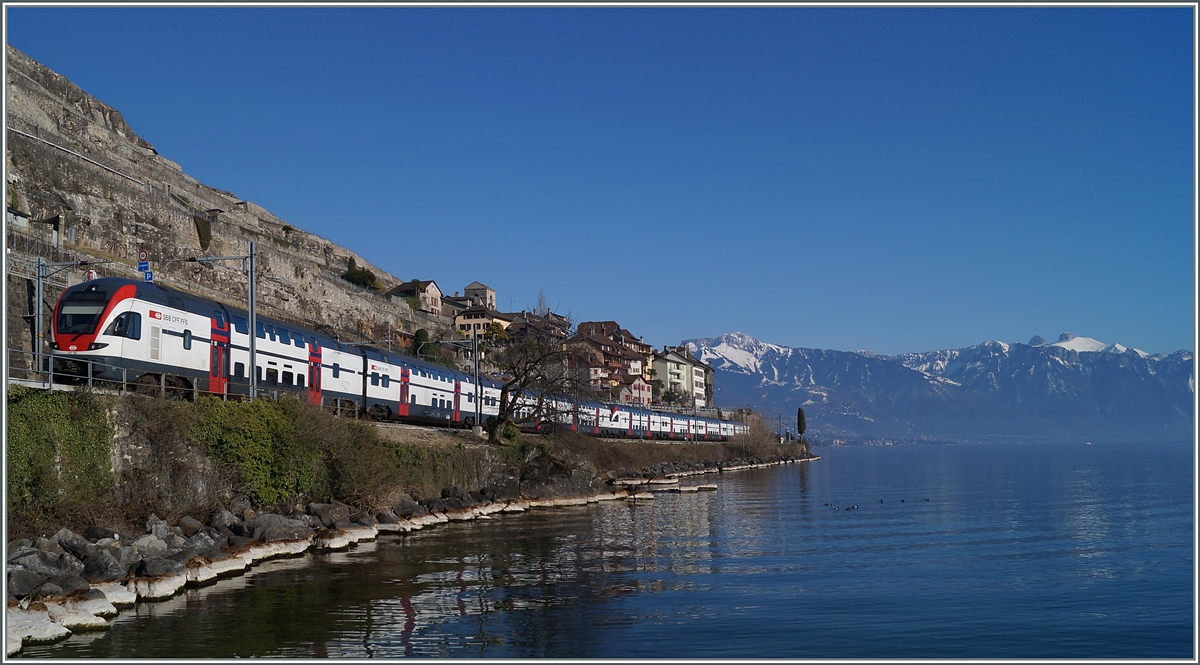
(80,312)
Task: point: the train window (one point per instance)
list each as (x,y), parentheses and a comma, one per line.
(312,341)
(128,325)
(80,312)
(187,339)
(298,340)
(271,332)
(284,336)
(337,370)
(413,400)
(260,331)
(225,369)
(386,381)
(272,376)
(240,325)
(219,317)
(300,380)
(258,374)
(176,302)
(287,378)
(374,378)
(470,398)
(239,370)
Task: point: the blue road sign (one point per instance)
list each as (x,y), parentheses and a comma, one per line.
(143,266)
(148,276)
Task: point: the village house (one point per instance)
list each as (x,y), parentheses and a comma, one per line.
(478,319)
(604,354)
(611,330)
(549,324)
(452,305)
(684,377)
(427,292)
(480,294)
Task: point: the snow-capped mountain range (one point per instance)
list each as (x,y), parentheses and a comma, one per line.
(1076,387)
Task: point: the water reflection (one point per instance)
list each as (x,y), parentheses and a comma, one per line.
(1010,558)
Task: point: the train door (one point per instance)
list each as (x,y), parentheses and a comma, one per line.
(405,381)
(314,373)
(456,415)
(218,354)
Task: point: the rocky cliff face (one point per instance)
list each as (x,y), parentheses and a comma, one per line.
(70,155)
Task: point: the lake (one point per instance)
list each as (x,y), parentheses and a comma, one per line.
(954,551)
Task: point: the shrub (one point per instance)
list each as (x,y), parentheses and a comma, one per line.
(58,451)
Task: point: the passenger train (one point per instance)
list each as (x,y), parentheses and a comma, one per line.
(144,333)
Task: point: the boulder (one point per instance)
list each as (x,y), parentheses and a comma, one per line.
(221,518)
(103,567)
(329,513)
(477,499)
(363,518)
(45,564)
(386,516)
(125,556)
(75,544)
(157,527)
(189,526)
(239,541)
(68,583)
(96,532)
(47,589)
(15,544)
(47,545)
(269,527)
(149,545)
(343,525)
(158,567)
(405,506)
(174,541)
(22,582)
(239,505)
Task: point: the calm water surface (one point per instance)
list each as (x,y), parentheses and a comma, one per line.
(1020,551)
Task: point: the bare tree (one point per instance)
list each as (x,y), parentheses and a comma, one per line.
(537,384)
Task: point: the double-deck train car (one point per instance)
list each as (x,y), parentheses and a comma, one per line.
(151,335)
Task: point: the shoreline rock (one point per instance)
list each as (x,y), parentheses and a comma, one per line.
(102,575)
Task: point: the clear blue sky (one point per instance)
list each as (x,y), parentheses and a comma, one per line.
(892,179)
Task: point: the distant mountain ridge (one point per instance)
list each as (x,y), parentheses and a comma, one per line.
(1077,387)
